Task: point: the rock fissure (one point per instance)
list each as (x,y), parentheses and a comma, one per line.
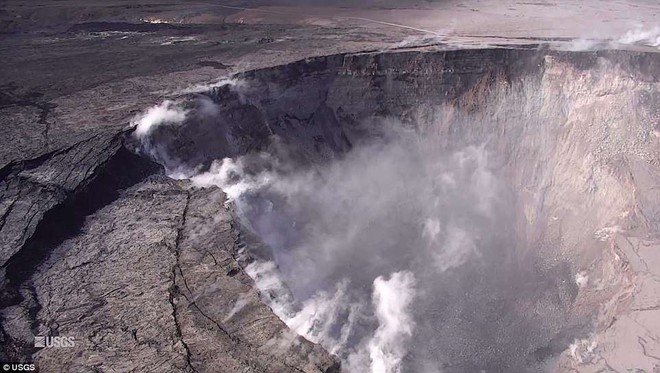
(173,291)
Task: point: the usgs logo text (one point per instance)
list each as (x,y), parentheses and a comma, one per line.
(17,367)
(56,341)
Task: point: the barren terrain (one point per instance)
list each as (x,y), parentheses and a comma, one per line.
(447,186)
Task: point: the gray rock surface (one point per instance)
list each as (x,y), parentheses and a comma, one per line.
(142,270)
(150,284)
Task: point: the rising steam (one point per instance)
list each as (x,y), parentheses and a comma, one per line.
(392,300)
(354,240)
(167,113)
(398,255)
(640,35)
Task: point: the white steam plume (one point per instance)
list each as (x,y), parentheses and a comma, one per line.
(392,300)
(165,129)
(329,318)
(235,83)
(320,314)
(167,113)
(271,285)
(578,45)
(397,208)
(639,35)
(229,175)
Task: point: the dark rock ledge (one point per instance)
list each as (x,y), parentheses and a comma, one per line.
(98,244)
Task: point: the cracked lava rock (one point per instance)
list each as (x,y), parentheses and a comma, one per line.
(306,187)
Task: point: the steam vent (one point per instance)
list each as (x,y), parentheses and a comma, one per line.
(310,186)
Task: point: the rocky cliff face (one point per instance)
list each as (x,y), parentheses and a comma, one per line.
(98,245)
(146,272)
(572,137)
